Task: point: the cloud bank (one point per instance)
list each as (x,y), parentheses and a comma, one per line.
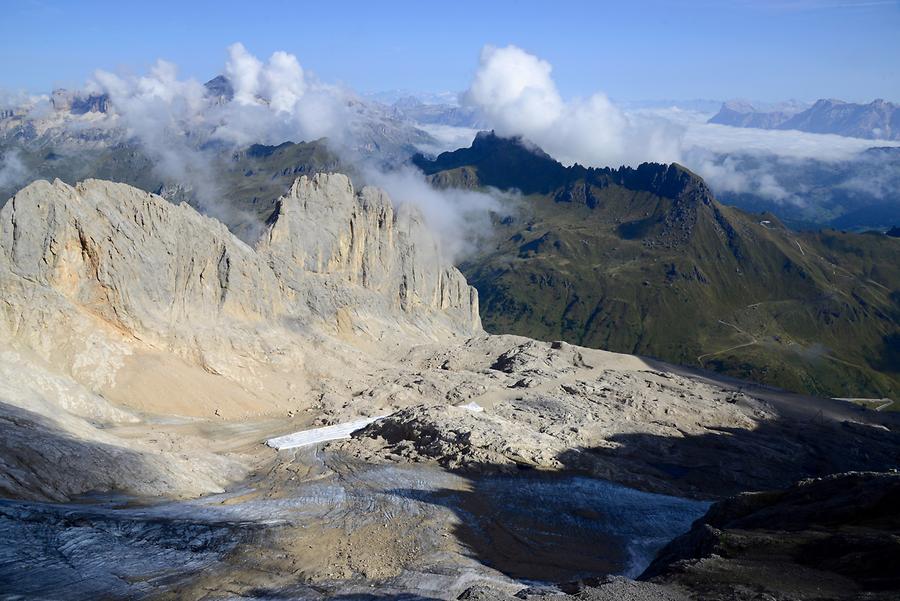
(271,102)
(516,94)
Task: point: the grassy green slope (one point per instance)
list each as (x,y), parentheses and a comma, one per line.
(646,261)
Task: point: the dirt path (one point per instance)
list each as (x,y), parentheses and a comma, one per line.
(751,343)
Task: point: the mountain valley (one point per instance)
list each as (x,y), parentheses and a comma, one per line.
(401,310)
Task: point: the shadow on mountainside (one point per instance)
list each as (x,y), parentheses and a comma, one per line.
(97,547)
(576,523)
(727,461)
(40,461)
(834,538)
(559,527)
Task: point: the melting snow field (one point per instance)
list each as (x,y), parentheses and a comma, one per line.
(342,431)
(319,435)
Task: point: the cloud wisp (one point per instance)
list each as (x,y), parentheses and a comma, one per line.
(12,169)
(459,218)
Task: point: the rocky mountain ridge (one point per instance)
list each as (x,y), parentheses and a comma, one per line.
(878,120)
(645,260)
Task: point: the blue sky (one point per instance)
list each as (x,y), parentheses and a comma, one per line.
(766,50)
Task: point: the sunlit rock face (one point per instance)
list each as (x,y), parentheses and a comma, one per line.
(323,226)
(117,301)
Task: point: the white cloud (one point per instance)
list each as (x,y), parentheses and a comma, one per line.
(159,109)
(284,81)
(446,137)
(242,70)
(516,94)
(11,99)
(12,170)
(280,83)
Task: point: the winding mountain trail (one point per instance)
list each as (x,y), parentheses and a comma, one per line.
(751,343)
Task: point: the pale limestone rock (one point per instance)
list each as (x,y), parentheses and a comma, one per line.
(115,300)
(323,226)
(120,266)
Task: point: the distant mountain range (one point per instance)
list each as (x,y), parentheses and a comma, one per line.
(76,120)
(412,109)
(878,120)
(647,261)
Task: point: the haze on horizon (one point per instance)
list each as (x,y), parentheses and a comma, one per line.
(769,51)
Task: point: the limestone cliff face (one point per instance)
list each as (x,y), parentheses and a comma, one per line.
(115,303)
(132,258)
(323,226)
(96,273)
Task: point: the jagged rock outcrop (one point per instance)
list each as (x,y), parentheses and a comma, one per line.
(323,226)
(116,301)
